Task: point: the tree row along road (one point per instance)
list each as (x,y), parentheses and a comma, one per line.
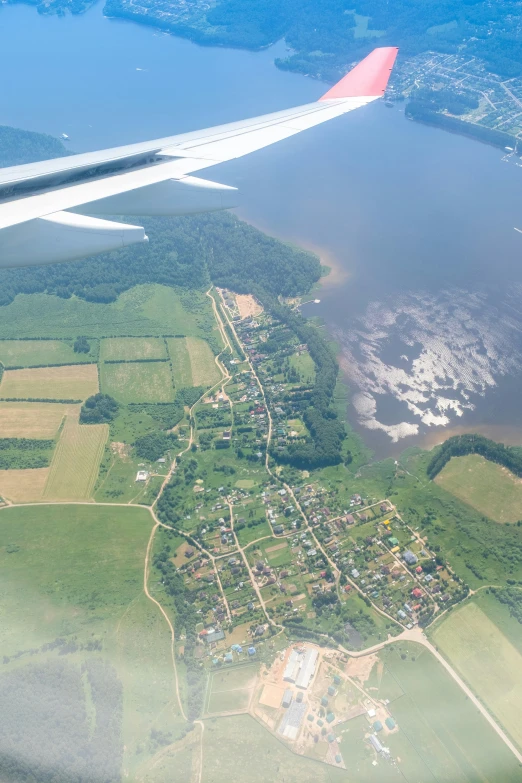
(414,635)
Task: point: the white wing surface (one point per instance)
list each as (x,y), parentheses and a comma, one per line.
(38,200)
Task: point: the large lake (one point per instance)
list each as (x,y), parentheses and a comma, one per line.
(425,300)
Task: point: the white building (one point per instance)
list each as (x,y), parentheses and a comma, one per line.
(307,670)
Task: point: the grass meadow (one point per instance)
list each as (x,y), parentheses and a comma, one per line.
(488,487)
(76,573)
(441,736)
(237,746)
(31,353)
(487,660)
(71,382)
(143,310)
(128,349)
(137,382)
(193,362)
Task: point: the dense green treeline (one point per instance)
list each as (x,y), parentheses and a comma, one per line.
(424,112)
(460,445)
(19,146)
(512,598)
(24,453)
(190,252)
(99,409)
(326,431)
(185,621)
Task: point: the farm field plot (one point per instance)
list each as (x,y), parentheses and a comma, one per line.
(131,348)
(76,573)
(71,382)
(257,754)
(28,353)
(144,309)
(32,419)
(441,736)
(76,461)
(193,362)
(487,660)
(488,487)
(23,486)
(204,369)
(137,382)
(229,690)
(180,359)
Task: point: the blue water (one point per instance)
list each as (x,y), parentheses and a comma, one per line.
(418,223)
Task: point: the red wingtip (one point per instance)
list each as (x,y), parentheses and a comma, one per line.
(369,77)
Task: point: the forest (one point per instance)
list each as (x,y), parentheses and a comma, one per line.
(460,445)
(24,453)
(46,733)
(428,112)
(99,409)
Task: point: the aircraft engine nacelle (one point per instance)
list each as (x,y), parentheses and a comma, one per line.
(186,196)
(63,237)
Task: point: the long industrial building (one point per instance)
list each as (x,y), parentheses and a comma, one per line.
(307,670)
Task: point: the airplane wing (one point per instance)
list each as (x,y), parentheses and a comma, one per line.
(46,207)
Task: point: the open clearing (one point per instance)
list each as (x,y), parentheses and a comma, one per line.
(23,486)
(72,382)
(202,362)
(488,487)
(76,461)
(247,305)
(441,736)
(138,382)
(32,419)
(229,690)
(193,362)
(143,310)
(127,349)
(272,696)
(76,573)
(31,353)
(237,747)
(487,660)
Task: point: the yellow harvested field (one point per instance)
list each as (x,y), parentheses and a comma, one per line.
(487,660)
(76,461)
(202,362)
(32,419)
(23,486)
(71,382)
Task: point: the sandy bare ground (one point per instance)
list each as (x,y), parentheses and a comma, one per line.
(247,305)
(272,696)
(361,667)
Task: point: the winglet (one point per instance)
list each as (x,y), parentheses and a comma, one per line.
(368,78)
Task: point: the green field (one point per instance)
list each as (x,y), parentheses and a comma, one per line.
(143,310)
(193,362)
(441,736)
(32,353)
(487,660)
(488,487)
(128,349)
(238,746)
(248,534)
(137,382)
(76,573)
(76,461)
(180,359)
